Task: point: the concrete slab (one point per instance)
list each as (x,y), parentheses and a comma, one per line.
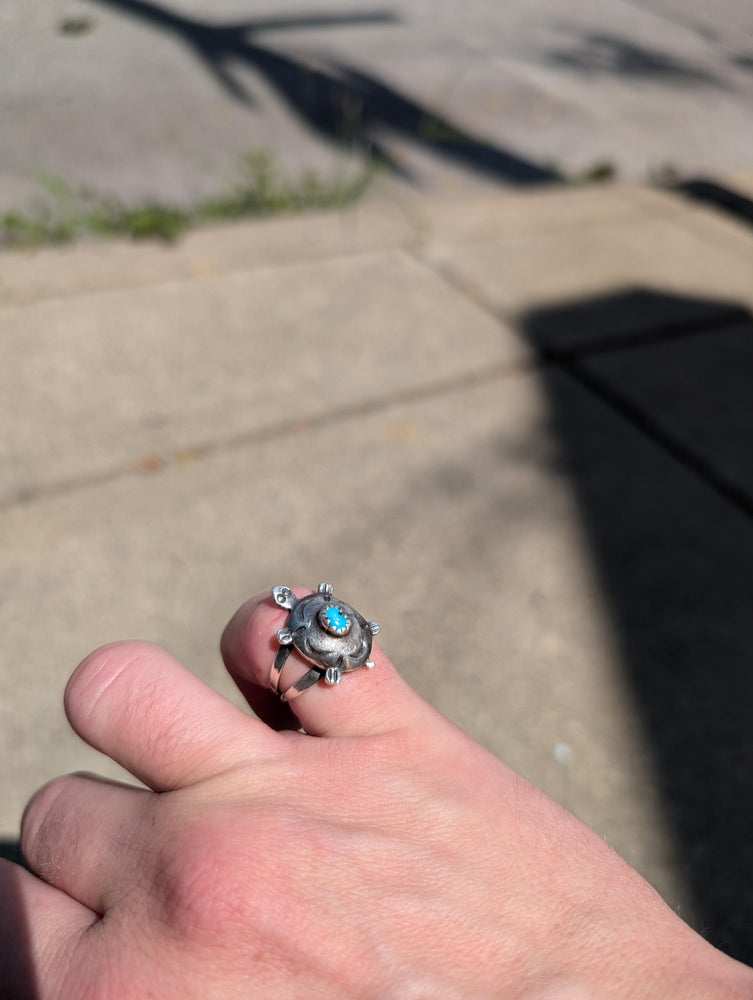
(92,383)
(534,212)
(715,225)
(93,265)
(741,181)
(698,391)
(535,278)
(385,219)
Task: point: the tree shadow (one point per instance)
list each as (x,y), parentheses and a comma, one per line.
(671,538)
(719,195)
(341,103)
(600,53)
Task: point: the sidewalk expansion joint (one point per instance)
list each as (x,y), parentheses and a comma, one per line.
(161,281)
(153,464)
(465,288)
(660,435)
(728,317)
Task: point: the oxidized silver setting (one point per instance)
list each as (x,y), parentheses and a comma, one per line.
(330,634)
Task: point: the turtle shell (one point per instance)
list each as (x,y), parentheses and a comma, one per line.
(330,633)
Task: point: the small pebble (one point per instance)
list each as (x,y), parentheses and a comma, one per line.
(563,754)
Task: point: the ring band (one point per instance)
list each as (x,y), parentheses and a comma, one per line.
(331,635)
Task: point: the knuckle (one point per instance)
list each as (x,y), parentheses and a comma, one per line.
(45,828)
(199,897)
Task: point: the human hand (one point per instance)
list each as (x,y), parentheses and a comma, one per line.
(381,854)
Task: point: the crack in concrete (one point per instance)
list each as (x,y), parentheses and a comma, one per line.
(154,463)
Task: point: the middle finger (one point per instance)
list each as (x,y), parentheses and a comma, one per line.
(81,834)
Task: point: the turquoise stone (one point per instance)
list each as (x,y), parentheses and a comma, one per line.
(335,620)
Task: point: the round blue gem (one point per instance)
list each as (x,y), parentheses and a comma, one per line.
(335,620)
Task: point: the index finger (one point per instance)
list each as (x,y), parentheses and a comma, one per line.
(138,705)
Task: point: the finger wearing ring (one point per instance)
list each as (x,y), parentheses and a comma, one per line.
(330,635)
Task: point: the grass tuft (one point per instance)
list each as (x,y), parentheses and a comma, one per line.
(76,26)
(260,189)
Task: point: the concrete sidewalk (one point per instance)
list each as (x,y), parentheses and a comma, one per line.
(515,429)
(159,99)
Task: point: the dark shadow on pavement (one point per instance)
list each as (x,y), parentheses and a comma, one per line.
(18,979)
(622,319)
(600,53)
(11,851)
(719,196)
(345,105)
(653,448)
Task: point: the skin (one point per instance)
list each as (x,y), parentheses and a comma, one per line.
(380,854)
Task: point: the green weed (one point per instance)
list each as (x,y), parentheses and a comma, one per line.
(76,26)
(67,213)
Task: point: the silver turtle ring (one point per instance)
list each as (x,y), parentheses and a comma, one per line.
(329,634)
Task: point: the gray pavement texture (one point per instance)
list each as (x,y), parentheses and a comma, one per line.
(158,99)
(515,428)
